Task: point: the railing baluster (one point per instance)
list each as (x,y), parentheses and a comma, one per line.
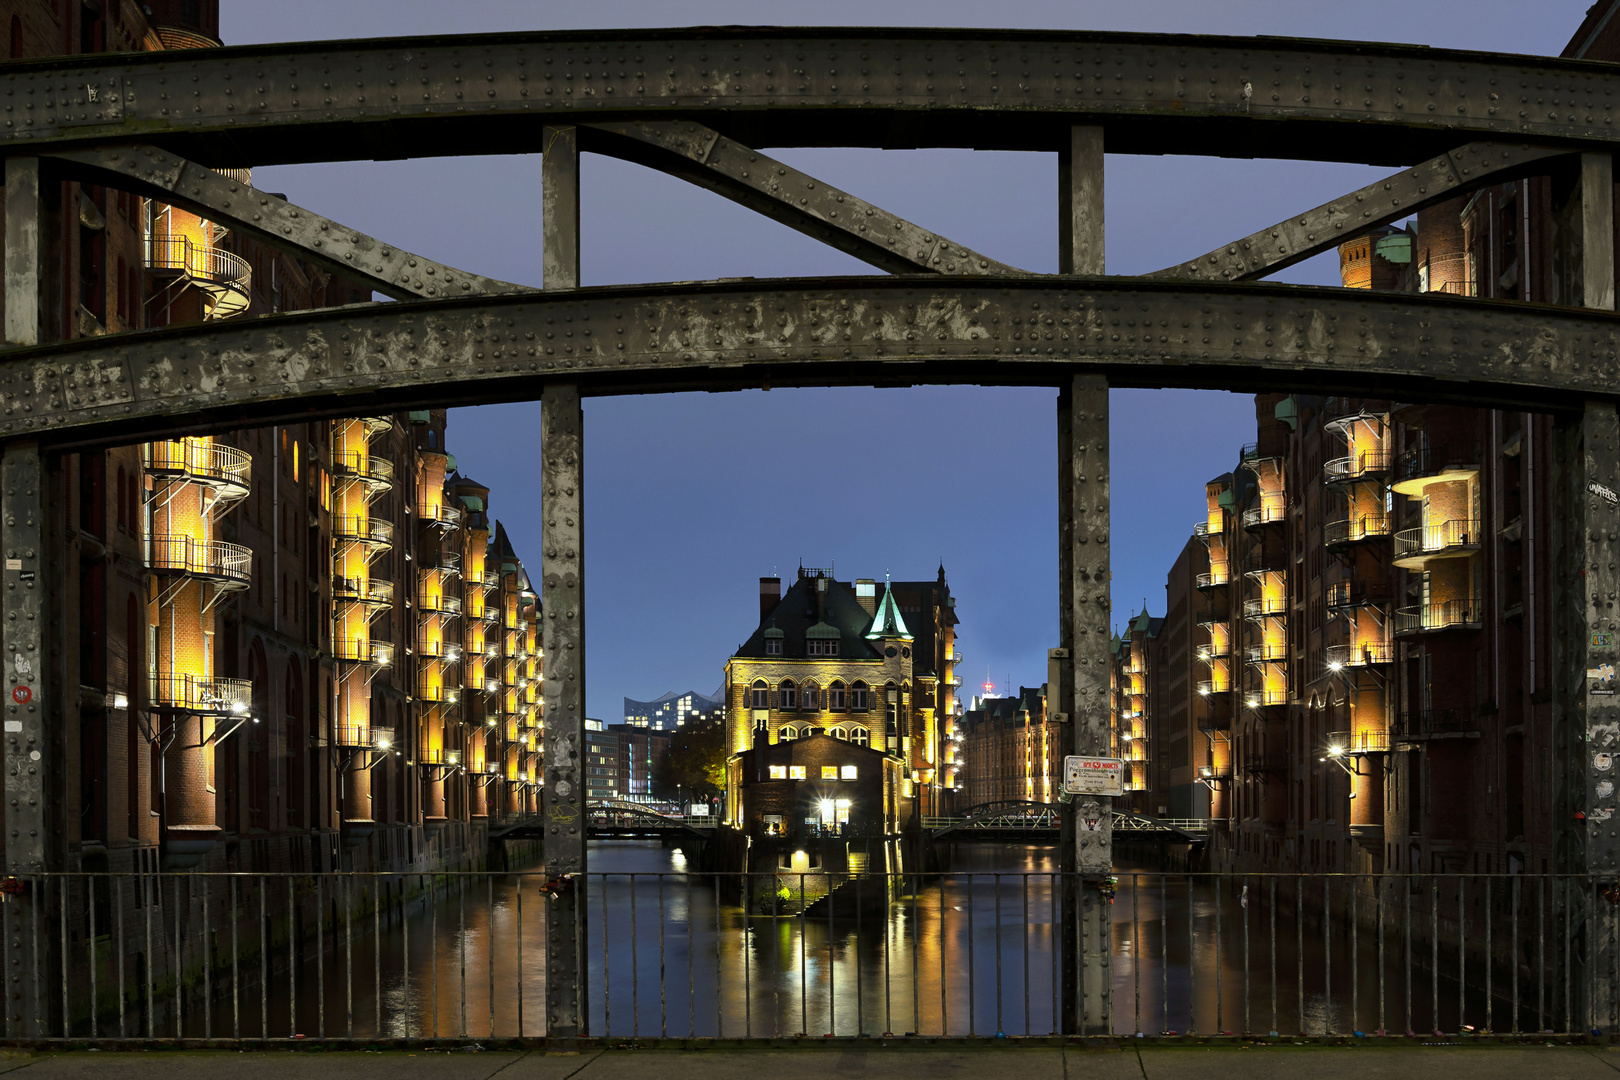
(1327,955)
(522,966)
(1272,905)
(1164,947)
(1462,955)
(972,978)
(832,982)
(1248,1026)
(489,914)
(719,982)
(236,969)
(1299,945)
(1023,934)
(320,955)
(1434,951)
(663,966)
(691,954)
(635,965)
(293,950)
(376,954)
(1355,958)
(208,962)
(461,945)
(348,952)
(119,917)
(995,882)
(1513,885)
(1490,898)
(405,954)
(1192,960)
(804,976)
(1381,1029)
(433,946)
(179,962)
(1218,893)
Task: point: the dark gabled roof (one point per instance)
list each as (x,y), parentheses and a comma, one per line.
(797,612)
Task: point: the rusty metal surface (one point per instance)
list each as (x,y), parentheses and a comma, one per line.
(156,173)
(844,331)
(253,105)
(782,193)
(1324,228)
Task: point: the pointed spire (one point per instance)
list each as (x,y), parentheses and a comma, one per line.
(887,623)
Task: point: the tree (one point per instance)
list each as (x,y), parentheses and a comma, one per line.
(695,761)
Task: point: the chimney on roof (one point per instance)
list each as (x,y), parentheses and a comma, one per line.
(866,594)
(770,594)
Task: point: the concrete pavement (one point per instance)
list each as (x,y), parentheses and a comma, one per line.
(990,1062)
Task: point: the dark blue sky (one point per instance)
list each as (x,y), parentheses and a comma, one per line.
(690,498)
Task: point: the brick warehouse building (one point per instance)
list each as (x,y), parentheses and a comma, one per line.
(299,647)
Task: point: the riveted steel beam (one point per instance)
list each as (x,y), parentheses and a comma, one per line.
(1324,228)
(1351,101)
(562,622)
(151,171)
(559,207)
(703,156)
(836,331)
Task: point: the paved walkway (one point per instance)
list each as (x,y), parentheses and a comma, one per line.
(986,1063)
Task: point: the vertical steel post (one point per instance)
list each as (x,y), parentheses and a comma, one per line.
(562,487)
(1083,575)
(1586,520)
(559,207)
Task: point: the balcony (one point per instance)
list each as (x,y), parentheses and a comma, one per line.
(1268,653)
(1215,725)
(1357,742)
(1265,607)
(1421,466)
(224,278)
(1210,618)
(1445,540)
(376,592)
(363,650)
(446,562)
(1435,724)
(1212,651)
(228,566)
(1356,468)
(1337,535)
(1203,531)
(226,468)
(434,690)
(1260,766)
(195,694)
(1207,687)
(1273,513)
(1433,618)
(1362,654)
(1343,595)
(1214,774)
(1254,452)
(373,532)
(1259,699)
(437,603)
(445,515)
(492,579)
(1217,576)
(377,473)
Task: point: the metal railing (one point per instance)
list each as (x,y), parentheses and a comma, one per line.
(1265,607)
(374,591)
(1435,724)
(377,531)
(376,472)
(227,565)
(1268,652)
(456,957)
(363,650)
(1210,652)
(1343,594)
(1360,654)
(1264,514)
(1217,575)
(204,462)
(1431,459)
(194,693)
(438,603)
(1358,742)
(1458,534)
(1356,529)
(226,277)
(1355,466)
(1446,615)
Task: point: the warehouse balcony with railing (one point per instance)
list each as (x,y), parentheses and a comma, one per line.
(373,592)
(1439,540)
(172,692)
(437,603)
(1417,468)
(1265,607)
(223,277)
(1217,575)
(377,473)
(444,515)
(1273,512)
(374,532)
(227,566)
(1268,652)
(228,469)
(444,562)
(1425,724)
(1363,465)
(1464,614)
(1215,650)
(1203,529)
(1259,699)
(1208,687)
(1357,742)
(1355,530)
(435,690)
(1343,595)
(1360,654)
(363,649)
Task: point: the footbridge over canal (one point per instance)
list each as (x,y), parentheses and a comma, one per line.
(1020,821)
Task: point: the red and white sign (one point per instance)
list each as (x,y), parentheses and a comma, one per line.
(22,695)
(1093,776)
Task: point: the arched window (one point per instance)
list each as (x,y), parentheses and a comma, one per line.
(838,733)
(859,698)
(787,695)
(760,694)
(891,709)
(787,734)
(810,700)
(859,736)
(835,696)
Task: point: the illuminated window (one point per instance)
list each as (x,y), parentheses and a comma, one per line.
(761,695)
(846,772)
(795,772)
(838,733)
(778,772)
(829,772)
(859,736)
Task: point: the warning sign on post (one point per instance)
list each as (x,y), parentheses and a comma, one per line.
(1093,776)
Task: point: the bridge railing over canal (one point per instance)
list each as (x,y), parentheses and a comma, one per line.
(462,957)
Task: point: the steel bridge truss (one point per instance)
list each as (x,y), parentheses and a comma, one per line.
(696,104)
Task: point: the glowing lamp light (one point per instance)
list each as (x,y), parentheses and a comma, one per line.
(1203,691)
(239,707)
(1335,751)
(1335,666)
(382,742)
(120,701)
(826,807)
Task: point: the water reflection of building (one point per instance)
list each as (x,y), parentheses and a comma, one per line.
(842,659)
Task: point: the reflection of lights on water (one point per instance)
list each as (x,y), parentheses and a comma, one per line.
(677,861)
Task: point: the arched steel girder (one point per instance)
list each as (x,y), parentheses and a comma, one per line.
(988,89)
(838,331)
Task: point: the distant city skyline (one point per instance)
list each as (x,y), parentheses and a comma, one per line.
(690,498)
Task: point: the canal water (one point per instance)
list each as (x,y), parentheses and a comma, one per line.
(970,953)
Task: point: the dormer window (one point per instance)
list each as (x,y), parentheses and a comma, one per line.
(822,640)
(821,648)
(773,647)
